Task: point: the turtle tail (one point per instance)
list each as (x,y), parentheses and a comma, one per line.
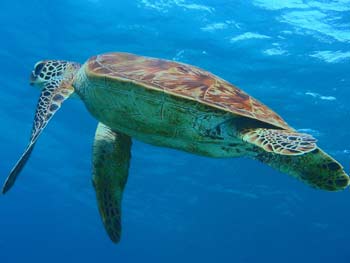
(315,168)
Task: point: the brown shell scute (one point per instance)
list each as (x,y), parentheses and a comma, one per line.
(185,81)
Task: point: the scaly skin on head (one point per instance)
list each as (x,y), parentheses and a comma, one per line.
(53,70)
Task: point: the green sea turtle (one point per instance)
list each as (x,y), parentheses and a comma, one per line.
(170,104)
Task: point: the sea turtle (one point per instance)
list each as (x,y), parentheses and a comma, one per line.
(170,104)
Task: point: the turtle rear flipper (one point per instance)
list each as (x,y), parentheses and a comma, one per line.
(111,158)
(51,98)
(283,142)
(315,168)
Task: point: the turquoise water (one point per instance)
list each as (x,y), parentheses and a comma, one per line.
(293,55)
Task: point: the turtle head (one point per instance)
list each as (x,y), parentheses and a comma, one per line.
(48,70)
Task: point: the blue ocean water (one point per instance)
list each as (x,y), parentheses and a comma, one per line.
(293,55)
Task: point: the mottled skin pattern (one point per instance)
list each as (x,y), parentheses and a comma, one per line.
(276,141)
(55,79)
(173,105)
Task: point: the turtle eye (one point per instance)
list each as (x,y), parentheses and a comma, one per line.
(38,68)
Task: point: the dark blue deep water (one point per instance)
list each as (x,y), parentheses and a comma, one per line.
(294,55)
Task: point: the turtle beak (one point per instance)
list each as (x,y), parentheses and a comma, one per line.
(32,79)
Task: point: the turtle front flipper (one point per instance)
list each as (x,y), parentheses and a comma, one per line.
(284,142)
(51,98)
(111,159)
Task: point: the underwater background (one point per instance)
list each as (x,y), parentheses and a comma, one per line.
(293,55)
